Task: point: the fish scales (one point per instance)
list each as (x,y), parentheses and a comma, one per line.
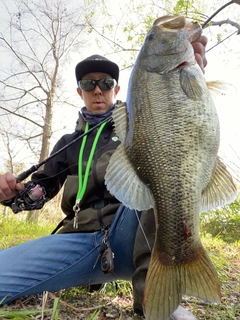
(178,151)
(168,160)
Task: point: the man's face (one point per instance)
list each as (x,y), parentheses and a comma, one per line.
(97,100)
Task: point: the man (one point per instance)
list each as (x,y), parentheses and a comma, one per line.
(96,224)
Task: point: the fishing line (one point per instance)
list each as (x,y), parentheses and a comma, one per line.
(222,41)
(141,227)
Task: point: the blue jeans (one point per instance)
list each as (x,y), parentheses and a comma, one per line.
(60,261)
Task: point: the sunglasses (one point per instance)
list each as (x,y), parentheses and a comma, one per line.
(104,84)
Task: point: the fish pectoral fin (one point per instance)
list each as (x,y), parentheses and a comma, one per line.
(165,284)
(192,85)
(121,178)
(221,189)
(124,184)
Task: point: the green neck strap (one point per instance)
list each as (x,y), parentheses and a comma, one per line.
(82,183)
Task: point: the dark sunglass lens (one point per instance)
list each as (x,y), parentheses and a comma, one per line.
(106,84)
(87,85)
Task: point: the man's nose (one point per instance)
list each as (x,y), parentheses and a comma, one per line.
(97,90)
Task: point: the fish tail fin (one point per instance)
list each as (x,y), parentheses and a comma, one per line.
(162,293)
(165,284)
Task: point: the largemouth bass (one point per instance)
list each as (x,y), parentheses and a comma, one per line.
(168,160)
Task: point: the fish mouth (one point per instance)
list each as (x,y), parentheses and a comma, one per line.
(181,65)
(173,53)
(175,23)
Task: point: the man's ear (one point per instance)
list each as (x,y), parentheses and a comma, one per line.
(79,91)
(116,90)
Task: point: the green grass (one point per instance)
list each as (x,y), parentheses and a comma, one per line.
(223,223)
(220,235)
(20,314)
(15,230)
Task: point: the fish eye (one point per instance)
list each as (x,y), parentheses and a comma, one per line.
(151,36)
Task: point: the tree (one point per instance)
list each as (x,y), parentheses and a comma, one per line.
(36,40)
(35,44)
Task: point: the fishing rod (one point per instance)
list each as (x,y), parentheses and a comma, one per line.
(22,176)
(33,195)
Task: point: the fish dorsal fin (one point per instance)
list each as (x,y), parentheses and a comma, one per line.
(221,189)
(121,178)
(218,87)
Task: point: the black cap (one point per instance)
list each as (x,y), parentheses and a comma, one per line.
(96,63)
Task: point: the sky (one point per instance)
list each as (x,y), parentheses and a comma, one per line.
(226,68)
(221,66)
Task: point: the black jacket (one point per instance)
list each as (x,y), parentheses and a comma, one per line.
(98,206)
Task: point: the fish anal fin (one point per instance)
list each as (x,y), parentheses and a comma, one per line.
(165,284)
(221,189)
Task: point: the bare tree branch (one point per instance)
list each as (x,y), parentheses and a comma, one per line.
(21,116)
(227,21)
(110,40)
(39,37)
(216,12)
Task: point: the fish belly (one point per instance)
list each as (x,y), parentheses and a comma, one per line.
(173,145)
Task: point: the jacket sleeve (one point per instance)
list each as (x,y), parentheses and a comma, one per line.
(51,177)
(55,171)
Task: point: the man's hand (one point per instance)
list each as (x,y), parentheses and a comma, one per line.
(9,186)
(199,51)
